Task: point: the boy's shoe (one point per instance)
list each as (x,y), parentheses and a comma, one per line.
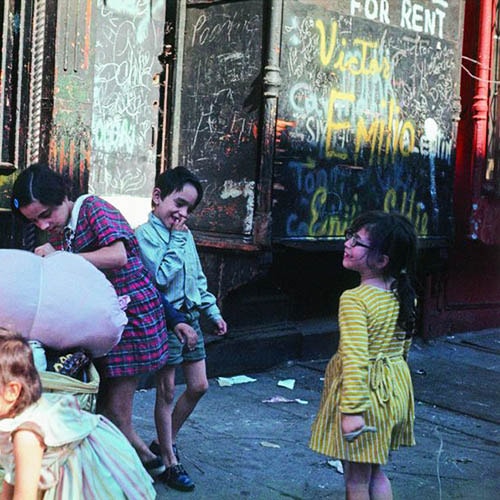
(155,466)
(176,477)
(155,448)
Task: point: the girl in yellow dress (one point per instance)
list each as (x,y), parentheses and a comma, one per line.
(367,405)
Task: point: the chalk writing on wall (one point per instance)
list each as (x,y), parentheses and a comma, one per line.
(129,37)
(367,117)
(219,110)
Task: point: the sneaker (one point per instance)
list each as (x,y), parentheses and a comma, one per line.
(155,448)
(176,477)
(154,466)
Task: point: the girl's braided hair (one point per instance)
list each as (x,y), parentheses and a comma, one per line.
(393,234)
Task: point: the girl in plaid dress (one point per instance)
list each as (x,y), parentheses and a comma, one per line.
(101,235)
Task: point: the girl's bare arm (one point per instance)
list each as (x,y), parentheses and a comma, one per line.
(28,453)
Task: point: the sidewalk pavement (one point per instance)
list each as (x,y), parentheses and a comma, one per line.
(235,445)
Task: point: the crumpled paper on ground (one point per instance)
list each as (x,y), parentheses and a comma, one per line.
(281,399)
(237,379)
(288,383)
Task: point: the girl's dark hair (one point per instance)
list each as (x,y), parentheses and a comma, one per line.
(393,234)
(38,182)
(16,363)
(175,179)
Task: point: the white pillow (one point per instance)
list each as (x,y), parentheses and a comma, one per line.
(61,300)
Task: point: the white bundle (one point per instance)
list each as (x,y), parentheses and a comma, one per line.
(61,300)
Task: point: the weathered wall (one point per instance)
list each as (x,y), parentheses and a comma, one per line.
(128,40)
(219,112)
(367,114)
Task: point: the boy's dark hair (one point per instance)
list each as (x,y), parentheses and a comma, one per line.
(175,179)
(16,363)
(394,235)
(38,182)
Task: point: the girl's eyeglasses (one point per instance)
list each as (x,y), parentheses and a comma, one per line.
(352,238)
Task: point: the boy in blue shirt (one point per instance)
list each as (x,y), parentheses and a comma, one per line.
(169,252)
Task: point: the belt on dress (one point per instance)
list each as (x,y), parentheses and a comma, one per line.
(382,375)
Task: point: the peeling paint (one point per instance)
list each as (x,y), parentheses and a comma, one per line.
(232,189)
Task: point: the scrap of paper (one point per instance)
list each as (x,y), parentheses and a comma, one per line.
(267,444)
(289,383)
(237,379)
(281,399)
(337,465)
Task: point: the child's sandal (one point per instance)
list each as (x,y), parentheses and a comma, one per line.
(351,436)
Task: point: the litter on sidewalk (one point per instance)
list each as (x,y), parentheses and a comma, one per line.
(281,399)
(267,444)
(288,383)
(237,379)
(337,465)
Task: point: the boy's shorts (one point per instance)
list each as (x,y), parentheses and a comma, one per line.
(178,353)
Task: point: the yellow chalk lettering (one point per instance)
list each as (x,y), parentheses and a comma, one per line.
(333,126)
(324,56)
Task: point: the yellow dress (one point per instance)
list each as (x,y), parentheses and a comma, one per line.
(368,374)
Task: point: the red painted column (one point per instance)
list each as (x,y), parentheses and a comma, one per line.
(480,109)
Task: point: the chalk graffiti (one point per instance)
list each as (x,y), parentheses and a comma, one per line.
(360,59)
(368,116)
(331,218)
(217,121)
(220,103)
(229,28)
(124,115)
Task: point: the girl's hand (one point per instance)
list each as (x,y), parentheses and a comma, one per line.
(44,250)
(220,327)
(352,422)
(28,453)
(186,334)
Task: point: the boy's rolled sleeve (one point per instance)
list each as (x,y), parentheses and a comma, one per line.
(172,316)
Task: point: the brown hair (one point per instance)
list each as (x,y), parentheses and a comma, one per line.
(16,363)
(394,235)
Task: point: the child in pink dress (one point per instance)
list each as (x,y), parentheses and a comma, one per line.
(50,448)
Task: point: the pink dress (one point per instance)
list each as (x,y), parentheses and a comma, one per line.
(86,456)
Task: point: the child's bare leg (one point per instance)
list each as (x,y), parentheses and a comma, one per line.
(195,375)
(115,401)
(165,393)
(380,486)
(357,478)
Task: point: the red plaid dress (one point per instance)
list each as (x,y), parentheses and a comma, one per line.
(143,346)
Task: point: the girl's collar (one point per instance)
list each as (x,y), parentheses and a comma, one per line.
(75,210)
(379,283)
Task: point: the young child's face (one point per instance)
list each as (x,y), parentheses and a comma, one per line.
(174,209)
(356,250)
